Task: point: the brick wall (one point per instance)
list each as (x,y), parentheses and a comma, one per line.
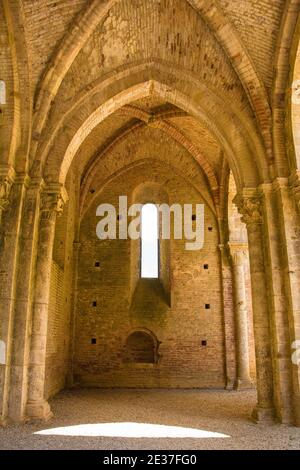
(107,314)
(60,298)
(56,344)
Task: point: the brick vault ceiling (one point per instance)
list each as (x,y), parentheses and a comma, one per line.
(185,35)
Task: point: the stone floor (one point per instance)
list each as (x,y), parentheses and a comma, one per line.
(150,419)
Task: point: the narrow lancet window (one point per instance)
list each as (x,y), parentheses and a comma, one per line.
(149,241)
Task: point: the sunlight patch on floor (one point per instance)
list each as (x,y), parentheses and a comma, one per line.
(135,430)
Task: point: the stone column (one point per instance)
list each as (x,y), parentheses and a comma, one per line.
(250,207)
(70,374)
(238,257)
(26,262)
(51,203)
(229,333)
(11,200)
(288,202)
(279,304)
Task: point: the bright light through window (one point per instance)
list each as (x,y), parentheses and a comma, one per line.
(149,242)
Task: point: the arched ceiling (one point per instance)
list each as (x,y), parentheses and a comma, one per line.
(295,100)
(91,66)
(256,22)
(168,126)
(157,148)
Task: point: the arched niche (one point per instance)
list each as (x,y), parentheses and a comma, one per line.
(141,347)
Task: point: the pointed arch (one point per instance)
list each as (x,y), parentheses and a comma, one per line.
(288,40)
(16,151)
(238,138)
(86,22)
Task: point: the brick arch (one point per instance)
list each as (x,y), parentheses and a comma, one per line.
(293,113)
(15,150)
(139,73)
(171,131)
(238,55)
(141,345)
(108,153)
(179,136)
(232,133)
(86,22)
(288,41)
(85,203)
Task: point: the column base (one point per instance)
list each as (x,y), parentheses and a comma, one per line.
(3,422)
(296,417)
(264,415)
(229,384)
(243,384)
(38,410)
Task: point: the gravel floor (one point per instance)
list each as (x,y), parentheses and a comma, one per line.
(150,419)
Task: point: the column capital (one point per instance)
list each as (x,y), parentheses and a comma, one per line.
(294,181)
(37,182)
(7,176)
(238,252)
(23,179)
(53,198)
(249,205)
(277,185)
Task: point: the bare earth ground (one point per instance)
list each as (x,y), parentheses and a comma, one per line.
(150,419)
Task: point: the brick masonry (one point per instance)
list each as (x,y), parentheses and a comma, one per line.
(180,328)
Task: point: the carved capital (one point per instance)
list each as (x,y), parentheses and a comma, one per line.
(294,181)
(5,186)
(53,200)
(250,208)
(238,253)
(7,176)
